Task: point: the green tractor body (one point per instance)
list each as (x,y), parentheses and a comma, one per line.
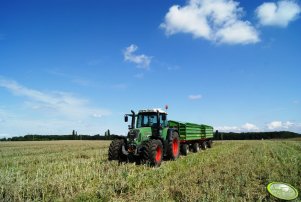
(152,137)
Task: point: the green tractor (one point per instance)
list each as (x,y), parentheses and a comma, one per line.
(148,141)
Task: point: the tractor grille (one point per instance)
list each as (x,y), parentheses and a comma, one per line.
(133,134)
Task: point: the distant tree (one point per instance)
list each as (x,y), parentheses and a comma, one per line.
(107,133)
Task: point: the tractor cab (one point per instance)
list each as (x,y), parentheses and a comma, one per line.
(147,118)
(148,123)
(151,118)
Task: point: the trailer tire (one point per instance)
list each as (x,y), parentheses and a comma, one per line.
(204,145)
(185,149)
(115,149)
(173,148)
(210,144)
(195,147)
(152,152)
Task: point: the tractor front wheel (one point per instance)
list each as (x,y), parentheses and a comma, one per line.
(152,152)
(173,149)
(115,149)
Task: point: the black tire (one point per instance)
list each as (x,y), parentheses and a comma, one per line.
(152,152)
(115,149)
(210,144)
(173,148)
(185,149)
(204,145)
(144,156)
(195,147)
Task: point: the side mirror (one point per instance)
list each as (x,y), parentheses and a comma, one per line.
(164,117)
(126,118)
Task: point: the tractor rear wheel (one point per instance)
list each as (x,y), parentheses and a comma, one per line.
(115,149)
(195,147)
(185,149)
(173,149)
(152,152)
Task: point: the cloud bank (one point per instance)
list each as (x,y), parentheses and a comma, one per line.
(59,103)
(247,127)
(219,21)
(271,126)
(278,14)
(279,125)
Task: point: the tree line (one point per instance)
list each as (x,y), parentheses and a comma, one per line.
(74,136)
(108,136)
(255,135)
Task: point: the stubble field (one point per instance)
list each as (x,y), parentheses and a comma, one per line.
(80,171)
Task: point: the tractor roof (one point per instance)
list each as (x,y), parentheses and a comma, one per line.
(152,110)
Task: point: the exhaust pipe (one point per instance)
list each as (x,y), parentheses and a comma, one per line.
(133,119)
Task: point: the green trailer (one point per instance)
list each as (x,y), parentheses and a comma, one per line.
(193,136)
(152,137)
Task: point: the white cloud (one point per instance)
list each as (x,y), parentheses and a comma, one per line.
(142,61)
(279,125)
(279,14)
(59,103)
(249,127)
(214,20)
(237,33)
(22,121)
(194,97)
(228,128)
(272,126)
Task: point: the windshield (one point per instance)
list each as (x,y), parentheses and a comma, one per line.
(149,120)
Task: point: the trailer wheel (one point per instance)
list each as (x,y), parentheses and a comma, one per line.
(173,149)
(204,145)
(152,152)
(185,149)
(195,147)
(115,149)
(210,143)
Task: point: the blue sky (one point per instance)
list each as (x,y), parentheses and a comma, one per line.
(81,65)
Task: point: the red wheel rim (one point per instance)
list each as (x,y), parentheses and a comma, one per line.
(158,154)
(175,147)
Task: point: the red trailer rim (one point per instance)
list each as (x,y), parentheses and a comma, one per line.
(175,147)
(158,154)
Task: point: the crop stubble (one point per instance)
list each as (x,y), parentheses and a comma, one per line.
(79,170)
